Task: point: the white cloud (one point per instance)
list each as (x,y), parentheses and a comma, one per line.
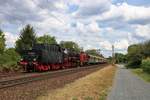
(135,13)
(81,27)
(92,25)
(129,13)
(142,31)
(12,13)
(10,39)
(88,28)
(106,45)
(122,44)
(61,5)
(90,8)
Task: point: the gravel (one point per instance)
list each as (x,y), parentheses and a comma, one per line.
(30,91)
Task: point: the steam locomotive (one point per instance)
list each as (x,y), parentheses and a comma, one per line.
(44,57)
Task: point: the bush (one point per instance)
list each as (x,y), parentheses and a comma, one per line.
(146,65)
(8,60)
(134,61)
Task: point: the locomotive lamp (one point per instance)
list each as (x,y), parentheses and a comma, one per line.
(34,59)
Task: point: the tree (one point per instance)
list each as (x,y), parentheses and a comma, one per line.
(134,55)
(146,49)
(135,48)
(9,59)
(137,52)
(109,59)
(2,42)
(93,52)
(70,45)
(26,39)
(46,39)
(120,58)
(13,55)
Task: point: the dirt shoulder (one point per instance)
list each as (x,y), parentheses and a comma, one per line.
(91,87)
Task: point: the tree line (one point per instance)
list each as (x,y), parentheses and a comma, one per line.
(138,56)
(138,52)
(27,38)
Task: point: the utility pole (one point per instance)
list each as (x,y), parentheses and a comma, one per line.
(98,51)
(0,24)
(113,55)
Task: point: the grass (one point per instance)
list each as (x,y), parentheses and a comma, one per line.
(145,76)
(94,86)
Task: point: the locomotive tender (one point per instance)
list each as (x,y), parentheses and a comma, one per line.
(44,57)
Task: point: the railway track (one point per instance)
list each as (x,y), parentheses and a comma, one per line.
(42,76)
(5,75)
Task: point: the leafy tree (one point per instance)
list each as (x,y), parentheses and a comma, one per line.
(26,40)
(93,52)
(120,58)
(109,59)
(146,49)
(2,42)
(134,48)
(8,60)
(134,55)
(70,45)
(13,55)
(46,39)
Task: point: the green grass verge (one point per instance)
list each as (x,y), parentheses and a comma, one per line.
(142,74)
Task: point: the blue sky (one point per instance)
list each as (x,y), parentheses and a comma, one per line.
(133,2)
(97,24)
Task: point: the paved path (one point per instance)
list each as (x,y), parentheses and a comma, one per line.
(128,86)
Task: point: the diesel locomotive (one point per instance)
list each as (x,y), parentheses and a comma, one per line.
(44,57)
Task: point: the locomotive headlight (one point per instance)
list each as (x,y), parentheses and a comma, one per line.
(34,59)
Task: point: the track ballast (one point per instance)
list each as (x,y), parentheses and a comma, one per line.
(42,76)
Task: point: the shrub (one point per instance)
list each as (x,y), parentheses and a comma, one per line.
(134,61)
(8,60)
(146,65)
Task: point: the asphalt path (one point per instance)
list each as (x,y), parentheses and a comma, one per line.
(128,86)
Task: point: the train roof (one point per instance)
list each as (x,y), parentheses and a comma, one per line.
(98,57)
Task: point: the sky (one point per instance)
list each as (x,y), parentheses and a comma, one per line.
(93,24)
